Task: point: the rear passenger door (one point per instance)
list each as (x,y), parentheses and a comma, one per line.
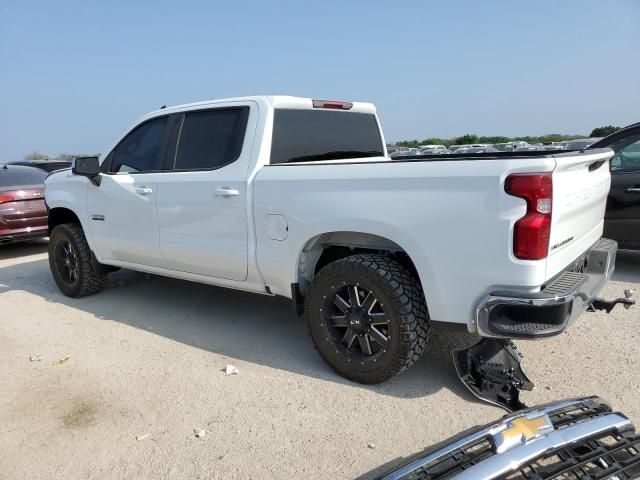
(201,203)
(622,220)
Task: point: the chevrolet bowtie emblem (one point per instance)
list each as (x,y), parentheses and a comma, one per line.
(521,430)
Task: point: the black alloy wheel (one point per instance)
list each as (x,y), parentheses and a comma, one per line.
(357,322)
(66,262)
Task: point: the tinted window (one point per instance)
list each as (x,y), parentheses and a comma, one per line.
(211,138)
(17,176)
(141,150)
(579,144)
(627,157)
(308,135)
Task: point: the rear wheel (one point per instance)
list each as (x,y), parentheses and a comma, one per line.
(74,270)
(367,317)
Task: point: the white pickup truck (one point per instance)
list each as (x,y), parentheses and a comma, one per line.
(297,197)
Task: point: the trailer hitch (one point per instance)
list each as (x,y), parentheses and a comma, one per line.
(608,305)
(491,370)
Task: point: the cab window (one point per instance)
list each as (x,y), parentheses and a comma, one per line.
(211,139)
(141,150)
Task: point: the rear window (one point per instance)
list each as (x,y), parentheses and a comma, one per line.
(313,135)
(17,176)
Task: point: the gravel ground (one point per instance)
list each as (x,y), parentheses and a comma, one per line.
(145,361)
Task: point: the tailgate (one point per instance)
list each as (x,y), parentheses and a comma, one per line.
(580,187)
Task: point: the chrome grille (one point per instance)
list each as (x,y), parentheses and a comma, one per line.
(588,442)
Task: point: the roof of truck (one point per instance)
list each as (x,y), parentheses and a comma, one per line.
(275,101)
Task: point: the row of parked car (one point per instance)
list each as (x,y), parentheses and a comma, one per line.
(578,144)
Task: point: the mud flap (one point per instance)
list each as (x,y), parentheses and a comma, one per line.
(491,370)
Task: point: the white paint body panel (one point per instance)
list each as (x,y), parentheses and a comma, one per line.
(452,217)
(131,230)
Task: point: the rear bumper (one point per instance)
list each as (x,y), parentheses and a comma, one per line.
(505,314)
(6,238)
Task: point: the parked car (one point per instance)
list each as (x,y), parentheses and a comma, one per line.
(403,153)
(509,146)
(23,214)
(476,150)
(622,218)
(295,197)
(582,438)
(453,148)
(433,150)
(581,143)
(432,147)
(46,165)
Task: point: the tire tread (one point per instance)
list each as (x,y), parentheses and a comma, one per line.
(91,280)
(410,310)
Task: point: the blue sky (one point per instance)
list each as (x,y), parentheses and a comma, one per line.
(74,74)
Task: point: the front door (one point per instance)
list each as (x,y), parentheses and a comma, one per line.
(122,209)
(202,203)
(622,221)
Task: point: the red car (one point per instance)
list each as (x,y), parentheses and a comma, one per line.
(23,214)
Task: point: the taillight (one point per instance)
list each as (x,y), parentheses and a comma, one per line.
(4,198)
(531,233)
(332,104)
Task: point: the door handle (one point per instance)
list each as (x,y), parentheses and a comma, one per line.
(633,190)
(227,192)
(144,190)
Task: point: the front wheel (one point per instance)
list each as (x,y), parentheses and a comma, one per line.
(71,263)
(367,317)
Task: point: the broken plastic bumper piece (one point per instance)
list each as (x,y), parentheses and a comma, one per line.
(491,370)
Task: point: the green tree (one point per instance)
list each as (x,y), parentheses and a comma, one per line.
(433,141)
(36,156)
(604,131)
(466,139)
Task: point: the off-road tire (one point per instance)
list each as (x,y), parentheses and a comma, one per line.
(404,301)
(91,277)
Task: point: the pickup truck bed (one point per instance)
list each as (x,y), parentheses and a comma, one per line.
(296,197)
(454,220)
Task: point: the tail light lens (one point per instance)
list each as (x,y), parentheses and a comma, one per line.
(4,198)
(531,233)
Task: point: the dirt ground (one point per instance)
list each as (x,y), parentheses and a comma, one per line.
(145,358)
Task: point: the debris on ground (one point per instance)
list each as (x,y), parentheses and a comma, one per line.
(142,437)
(35,358)
(61,360)
(230,370)
(372,446)
(199,432)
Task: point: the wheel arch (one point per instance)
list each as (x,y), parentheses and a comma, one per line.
(325,248)
(60,215)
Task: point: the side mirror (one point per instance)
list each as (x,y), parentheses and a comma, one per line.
(87,167)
